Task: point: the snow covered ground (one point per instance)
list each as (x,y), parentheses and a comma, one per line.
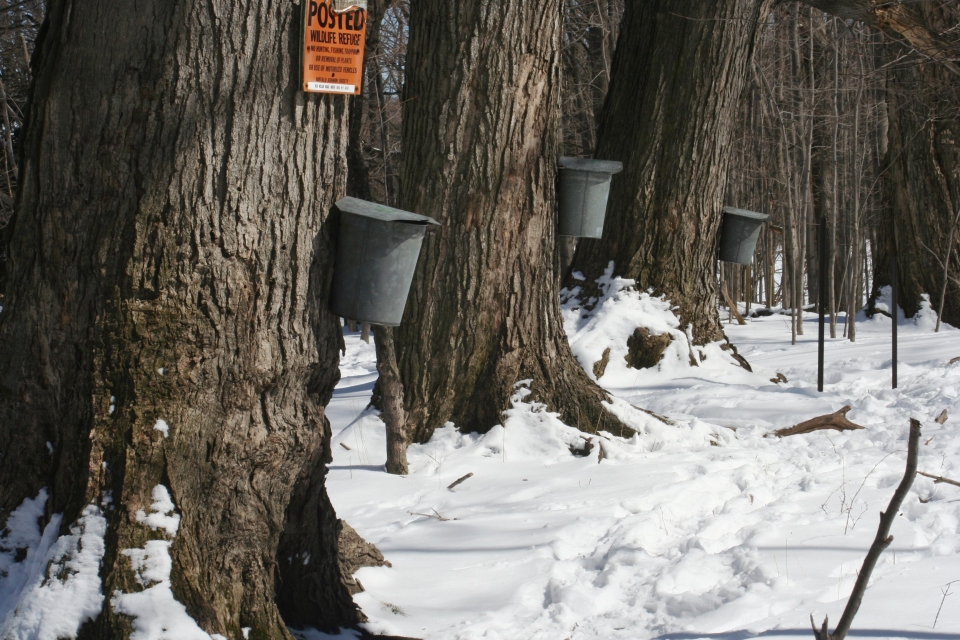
(709,528)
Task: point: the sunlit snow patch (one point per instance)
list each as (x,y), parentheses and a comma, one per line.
(162,427)
(595,325)
(56,586)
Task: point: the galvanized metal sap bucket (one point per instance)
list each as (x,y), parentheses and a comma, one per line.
(584,186)
(377,253)
(738,238)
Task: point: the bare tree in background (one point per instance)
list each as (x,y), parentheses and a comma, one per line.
(922,170)
(19,23)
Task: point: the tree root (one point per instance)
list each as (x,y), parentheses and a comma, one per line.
(836,421)
(353,554)
(732,348)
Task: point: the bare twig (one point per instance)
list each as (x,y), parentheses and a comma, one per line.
(837,421)
(939,479)
(854,498)
(435,516)
(458,481)
(880,543)
(345,447)
(8,139)
(945,592)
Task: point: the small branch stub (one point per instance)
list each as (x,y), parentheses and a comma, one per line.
(837,421)
(459,480)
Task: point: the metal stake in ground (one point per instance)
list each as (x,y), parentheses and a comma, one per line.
(894,314)
(822,295)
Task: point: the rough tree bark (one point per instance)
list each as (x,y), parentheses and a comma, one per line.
(922,185)
(677,75)
(480,152)
(170,260)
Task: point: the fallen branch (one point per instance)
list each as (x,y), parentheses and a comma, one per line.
(663,419)
(880,543)
(436,515)
(942,417)
(733,308)
(456,482)
(954,360)
(837,421)
(939,479)
(345,447)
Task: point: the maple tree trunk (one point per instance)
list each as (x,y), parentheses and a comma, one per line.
(481,106)
(678,72)
(170,260)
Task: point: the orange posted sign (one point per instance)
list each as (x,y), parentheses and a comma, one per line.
(332,47)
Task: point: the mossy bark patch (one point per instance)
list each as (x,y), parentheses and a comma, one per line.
(600,366)
(644,349)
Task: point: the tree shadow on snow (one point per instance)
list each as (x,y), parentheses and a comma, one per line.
(854,633)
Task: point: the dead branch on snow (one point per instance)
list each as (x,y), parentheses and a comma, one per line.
(939,479)
(837,421)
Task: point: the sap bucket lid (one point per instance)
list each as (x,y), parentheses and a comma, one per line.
(743,213)
(589,164)
(381,212)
